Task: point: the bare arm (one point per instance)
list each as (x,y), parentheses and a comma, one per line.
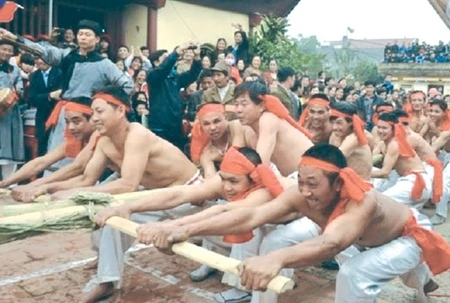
(91,174)
(267,138)
(137,150)
(335,238)
(207,162)
(389,161)
(167,198)
(73,169)
(244,219)
(349,144)
(36,166)
(255,199)
(441,141)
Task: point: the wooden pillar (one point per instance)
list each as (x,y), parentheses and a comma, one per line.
(152,30)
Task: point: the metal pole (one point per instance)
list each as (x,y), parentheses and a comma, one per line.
(50,17)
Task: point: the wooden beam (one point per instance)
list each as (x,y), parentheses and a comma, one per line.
(152,30)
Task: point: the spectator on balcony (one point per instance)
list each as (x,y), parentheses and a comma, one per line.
(441,58)
(394,47)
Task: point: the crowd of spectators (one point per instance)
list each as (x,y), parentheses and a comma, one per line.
(416,52)
(212,77)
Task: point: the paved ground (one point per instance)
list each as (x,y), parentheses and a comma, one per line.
(49,268)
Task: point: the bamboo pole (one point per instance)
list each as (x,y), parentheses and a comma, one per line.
(40,217)
(279,284)
(17,209)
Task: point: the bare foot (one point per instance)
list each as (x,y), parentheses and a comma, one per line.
(91,265)
(101,291)
(430,287)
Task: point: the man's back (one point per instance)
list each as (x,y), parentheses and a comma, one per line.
(289,146)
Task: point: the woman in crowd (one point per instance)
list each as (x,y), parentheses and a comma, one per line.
(234,72)
(206,62)
(140,105)
(241,67)
(221,48)
(105,46)
(272,74)
(255,67)
(140,82)
(136,65)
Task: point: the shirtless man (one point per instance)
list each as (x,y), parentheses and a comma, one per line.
(333,196)
(350,137)
(242,180)
(78,125)
(379,109)
(29,192)
(426,153)
(212,135)
(315,118)
(140,156)
(415,107)
(279,139)
(437,134)
(414,185)
(437,129)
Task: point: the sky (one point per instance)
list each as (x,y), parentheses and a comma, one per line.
(371,19)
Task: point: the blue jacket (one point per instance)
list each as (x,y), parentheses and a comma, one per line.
(361,109)
(166,105)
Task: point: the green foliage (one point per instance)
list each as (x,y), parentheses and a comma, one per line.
(367,70)
(270,40)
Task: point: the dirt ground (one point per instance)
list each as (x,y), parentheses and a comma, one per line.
(49,268)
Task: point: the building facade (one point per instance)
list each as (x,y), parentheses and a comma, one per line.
(155,23)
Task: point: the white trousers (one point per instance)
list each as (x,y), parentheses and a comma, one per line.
(284,236)
(8,170)
(401,190)
(114,244)
(359,278)
(442,206)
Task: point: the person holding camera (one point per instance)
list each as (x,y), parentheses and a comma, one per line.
(166,107)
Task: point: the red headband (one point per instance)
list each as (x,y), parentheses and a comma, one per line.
(199,139)
(110,99)
(210,108)
(312,102)
(77,108)
(383,108)
(400,134)
(358,125)
(236,163)
(274,105)
(354,187)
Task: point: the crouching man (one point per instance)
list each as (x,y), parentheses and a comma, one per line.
(394,240)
